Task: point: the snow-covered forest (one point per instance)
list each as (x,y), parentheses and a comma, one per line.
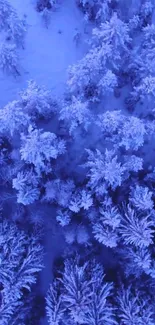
(77,162)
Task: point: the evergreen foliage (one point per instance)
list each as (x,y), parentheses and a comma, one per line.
(21,258)
(38,148)
(77,173)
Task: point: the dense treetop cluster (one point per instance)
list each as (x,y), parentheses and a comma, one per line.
(90,157)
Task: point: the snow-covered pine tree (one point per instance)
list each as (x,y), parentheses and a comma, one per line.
(54,304)
(5,11)
(104,234)
(77,293)
(132,163)
(75,202)
(59,191)
(81,296)
(104,169)
(147,54)
(136,229)
(132,133)
(21,258)
(81,198)
(124,131)
(141,198)
(135,261)
(63,217)
(97,11)
(134,309)
(145,90)
(146,12)
(27,185)
(149,36)
(110,122)
(134,23)
(103,11)
(37,101)
(13,119)
(76,114)
(100,311)
(7,311)
(86,199)
(114,33)
(105,227)
(107,83)
(16,30)
(38,148)
(9,61)
(84,76)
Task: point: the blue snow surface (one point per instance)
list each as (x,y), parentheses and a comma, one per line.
(47,53)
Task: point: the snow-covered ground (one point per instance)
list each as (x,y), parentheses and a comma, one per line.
(48,52)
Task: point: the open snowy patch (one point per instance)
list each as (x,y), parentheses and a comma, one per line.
(48,51)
